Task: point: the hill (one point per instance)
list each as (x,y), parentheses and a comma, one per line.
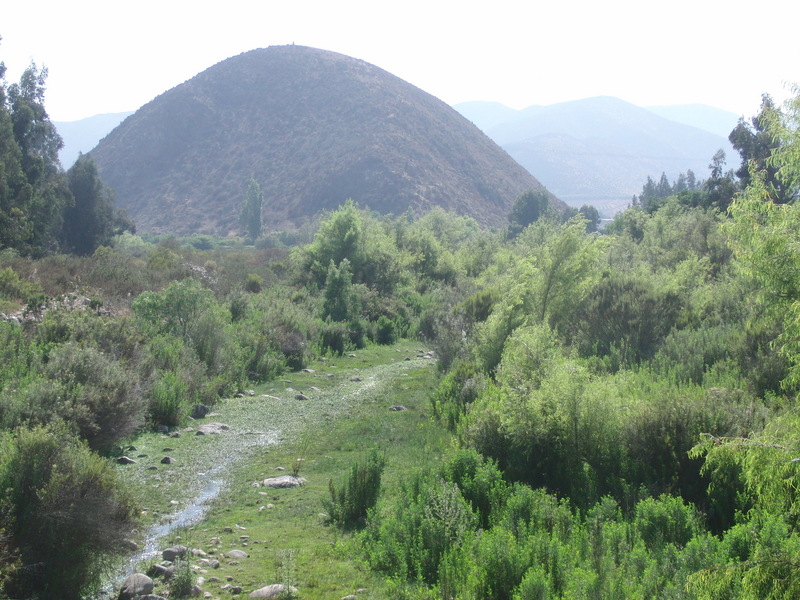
(82,135)
(313,128)
(601,150)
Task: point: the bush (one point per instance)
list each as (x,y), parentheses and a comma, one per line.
(456,393)
(385,331)
(665,520)
(98,395)
(351,501)
(169,400)
(65,510)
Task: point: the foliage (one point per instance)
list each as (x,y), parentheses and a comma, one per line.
(351,501)
(66,511)
(528,208)
(90,220)
(250,216)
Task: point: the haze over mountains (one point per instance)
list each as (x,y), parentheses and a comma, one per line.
(314,128)
(601,150)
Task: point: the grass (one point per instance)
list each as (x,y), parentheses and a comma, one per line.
(338,425)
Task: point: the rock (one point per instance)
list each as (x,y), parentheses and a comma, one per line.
(199,411)
(238,395)
(283,481)
(167,460)
(251,392)
(276,590)
(134,585)
(351,355)
(300,397)
(236,589)
(349,597)
(238,554)
(159,570)
(355,379)
(174,552)
(397,408)
(125,460)
(175,434)
(162,428)
(307,370)
(212,429)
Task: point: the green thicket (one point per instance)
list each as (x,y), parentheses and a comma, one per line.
(622,402)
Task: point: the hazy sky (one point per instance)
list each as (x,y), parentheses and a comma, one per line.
(116,55)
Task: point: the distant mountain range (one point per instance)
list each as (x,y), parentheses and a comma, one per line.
(601,150)
(313,128)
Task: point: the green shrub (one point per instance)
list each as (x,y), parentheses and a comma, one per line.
(12,287)
(98,395)
(66,511)
(456,392)
(334,338)
(169,400)
(350,502)
(385,331)
(665,520)
(253,283)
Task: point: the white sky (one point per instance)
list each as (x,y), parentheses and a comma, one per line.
(116,55)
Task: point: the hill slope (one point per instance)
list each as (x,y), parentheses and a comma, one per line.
(313,128)
(83,135)
(600,150)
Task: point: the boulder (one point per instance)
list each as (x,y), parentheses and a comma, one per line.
(125,460)
(397,408)
(212,429)
(167,460)
(237,554)
(174,552)
(134,585)
(199,411)
(276,590)
(283,481)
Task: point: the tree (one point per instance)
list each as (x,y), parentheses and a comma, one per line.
(721,186)
(32,186)
(250,217)
(528,208)
(755,141)
(764,230)
(90,220)
(592,216)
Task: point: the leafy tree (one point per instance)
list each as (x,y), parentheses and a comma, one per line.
(764,233)
(755,141)
(340,300)
(32,187)
(592,216)
(527,209)
(91,220)
(250,217)
(721,186)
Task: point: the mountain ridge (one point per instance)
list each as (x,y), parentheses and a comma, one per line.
(314,128)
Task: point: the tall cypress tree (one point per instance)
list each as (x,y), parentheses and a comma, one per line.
(250,217)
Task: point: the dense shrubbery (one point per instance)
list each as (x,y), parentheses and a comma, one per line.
(623,403)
